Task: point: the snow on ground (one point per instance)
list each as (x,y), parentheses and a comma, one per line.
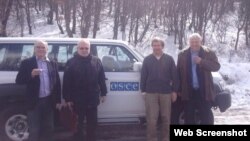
(237,71)
(238,84)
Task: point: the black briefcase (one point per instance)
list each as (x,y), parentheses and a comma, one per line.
(223,101)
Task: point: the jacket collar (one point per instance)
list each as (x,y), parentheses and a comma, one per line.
(201,52)
(45,59)
(83,58)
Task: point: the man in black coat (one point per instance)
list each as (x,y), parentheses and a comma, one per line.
(84,87)
(40,75)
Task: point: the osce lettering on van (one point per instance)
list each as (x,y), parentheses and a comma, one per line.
(124,86)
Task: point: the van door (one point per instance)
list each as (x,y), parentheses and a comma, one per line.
(123,83)
(11,56)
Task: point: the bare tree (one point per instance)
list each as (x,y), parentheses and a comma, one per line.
(110,7)
(67,17)
(20,15)
(240,22)
(124,17)
(28,16)
(247,26)
(74,2)
(50,15)
(38,4)
(59,16)
(116,18)
(85,14)
(132,17)
(97,13)
(5,8)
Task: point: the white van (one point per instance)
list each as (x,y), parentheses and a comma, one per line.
(122,64)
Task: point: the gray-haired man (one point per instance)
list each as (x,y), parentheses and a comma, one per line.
(41,77)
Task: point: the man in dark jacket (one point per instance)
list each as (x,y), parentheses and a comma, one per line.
(40,75)
(194,67)
(159,83)
(84,87)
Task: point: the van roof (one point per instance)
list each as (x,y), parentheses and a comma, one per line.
(60,40)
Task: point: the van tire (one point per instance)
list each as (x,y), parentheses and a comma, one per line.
(13,121)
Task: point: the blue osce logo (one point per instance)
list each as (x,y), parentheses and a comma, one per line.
(124,86)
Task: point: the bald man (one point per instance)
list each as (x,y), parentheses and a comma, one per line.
(84,88)
(41,77)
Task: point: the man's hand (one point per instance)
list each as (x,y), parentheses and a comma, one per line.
(59,106)
(144,95)
(69,104)
(35,72)
(174,96)
(197,59)
(102,99)
(64,103)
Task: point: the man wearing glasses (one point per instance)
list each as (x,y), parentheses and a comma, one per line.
(84,88)
(40,75)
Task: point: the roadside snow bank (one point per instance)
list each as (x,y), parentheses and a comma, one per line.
(237,81)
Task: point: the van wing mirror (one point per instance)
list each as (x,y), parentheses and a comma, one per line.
(137,66)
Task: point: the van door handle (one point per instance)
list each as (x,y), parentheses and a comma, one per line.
(106,78)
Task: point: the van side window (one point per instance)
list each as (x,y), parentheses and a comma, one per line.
(103,51)
(11,55)
(27,52)
(2,54)
(72,51)
(60,53)
(115,58)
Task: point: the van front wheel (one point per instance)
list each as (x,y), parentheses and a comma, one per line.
(14,124)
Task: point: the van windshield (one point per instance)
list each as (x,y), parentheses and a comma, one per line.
(138,53)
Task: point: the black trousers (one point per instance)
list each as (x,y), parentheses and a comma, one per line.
(198,109)
(41,120)
(90,114)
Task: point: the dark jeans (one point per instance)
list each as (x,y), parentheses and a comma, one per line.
(198,107)
(41,121)
(177,109)
(90,113)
